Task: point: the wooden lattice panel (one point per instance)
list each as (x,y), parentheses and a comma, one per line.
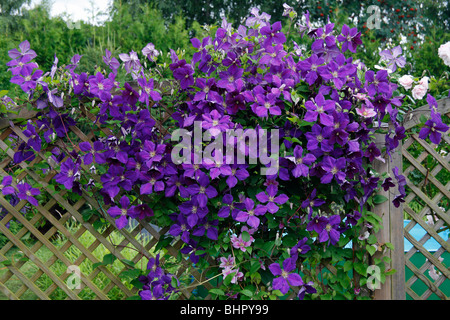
(427,206)
(25,274)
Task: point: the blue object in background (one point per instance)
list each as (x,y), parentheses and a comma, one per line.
(417,232)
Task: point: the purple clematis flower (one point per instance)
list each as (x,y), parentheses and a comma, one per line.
(377,82)
(231,79)
(270,197)
(286,276)
(350,38)
(215,122)
(100,86)
(267,104)
(333,168)
(180,227)
(152,153)
(273,34)
(150,52)
(17,65)
(208,227)
(309,67)
(393,58)
(148,91)
(5,186)
(238,172)
(372,152)
(312,201)
(433,128)
(207,91)
(202,191)
(68,173)
(26,192)
(24,51)
(300,248)
(155,271)
(131,61)
(175,183)
(34,140)
(301,162)
(154,183)
(141,211)
(228,206)
(92,151)
(317,224)
(318,138)
(110,61)
(121,213)
(27,79)
(193,211)
(184,73)
(305,288)
(387,184)
(250,216)
(401,180)
(330,232)
(273,55)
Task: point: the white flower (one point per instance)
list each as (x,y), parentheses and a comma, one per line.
(424,82)
(444,53)
(418,92)
(406,81)
(364,236)
(383,68)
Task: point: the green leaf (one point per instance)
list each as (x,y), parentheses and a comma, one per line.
(390,245)
(361,268)
(217,291)
(255,265)
(245,236)
(372,239)
(107,259)
(247,292)
(378,199)
(390,272)
(371,249)
(228,278)
(128,263)
(348,265)
(277,293)
(130,274)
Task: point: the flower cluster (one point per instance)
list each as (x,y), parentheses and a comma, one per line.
(157,284)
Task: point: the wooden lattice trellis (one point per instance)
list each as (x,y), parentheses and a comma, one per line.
(19,255)
(428,205)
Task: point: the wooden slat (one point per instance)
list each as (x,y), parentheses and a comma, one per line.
(412,118)
(425,280)
(391,231)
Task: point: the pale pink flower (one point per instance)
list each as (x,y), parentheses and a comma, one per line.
(419,91)
(226,262)
(237,276)
(406,81)
(444,53)
(424,82)
(366,112)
